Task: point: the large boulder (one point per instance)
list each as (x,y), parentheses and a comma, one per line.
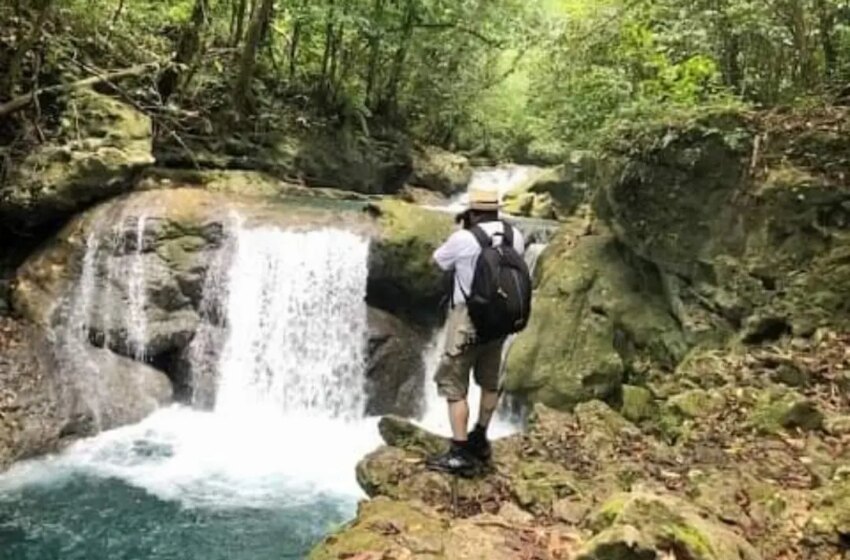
(555,193)
(745,217)
(645,526)
(32,415)
(402,276)
(45,398)
(99,149)
(595,317)
(395,370)
(439,170)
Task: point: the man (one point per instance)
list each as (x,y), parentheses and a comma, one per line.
(464,349)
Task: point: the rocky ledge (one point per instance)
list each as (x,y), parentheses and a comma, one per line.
(591,485)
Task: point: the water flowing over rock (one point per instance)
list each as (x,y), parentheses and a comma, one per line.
(147,276)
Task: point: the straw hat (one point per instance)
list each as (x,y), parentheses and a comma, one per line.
(483,199)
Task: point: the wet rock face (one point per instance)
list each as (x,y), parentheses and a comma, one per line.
(395,371)
(134,275)
(43,401)
(101,146)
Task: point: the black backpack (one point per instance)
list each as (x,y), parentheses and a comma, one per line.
(499,302)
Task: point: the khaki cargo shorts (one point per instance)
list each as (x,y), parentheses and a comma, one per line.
(462,354)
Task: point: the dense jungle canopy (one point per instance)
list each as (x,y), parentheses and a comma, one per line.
(518,79)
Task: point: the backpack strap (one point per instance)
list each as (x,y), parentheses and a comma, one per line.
(481,236)
(507,235)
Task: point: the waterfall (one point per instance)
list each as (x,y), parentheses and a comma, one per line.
(136,280)
(283,342)
(296,324)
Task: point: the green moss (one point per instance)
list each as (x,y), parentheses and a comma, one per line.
(776,409)
(697,403)
(689,538)
(537,485)
(403,276)
(609,511)
(638,403)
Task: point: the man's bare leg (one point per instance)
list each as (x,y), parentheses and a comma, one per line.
(459,419)
(489,403)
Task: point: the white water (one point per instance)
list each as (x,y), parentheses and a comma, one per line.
(502,179)
(288,422)
(137,284)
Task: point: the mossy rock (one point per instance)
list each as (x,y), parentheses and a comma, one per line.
(643,525)
(537,485)
(638,403)
(402,275)
(776,409)
(102,146)
(697,403)
(382,527)
(554,193)
(440,170)
(829,522)
(593,317)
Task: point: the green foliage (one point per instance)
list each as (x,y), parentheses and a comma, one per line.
(519,79)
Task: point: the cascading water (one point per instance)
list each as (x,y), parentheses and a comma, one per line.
(263,474)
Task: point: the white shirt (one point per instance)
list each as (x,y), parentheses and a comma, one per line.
(460,254)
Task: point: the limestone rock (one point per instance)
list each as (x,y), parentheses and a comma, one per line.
(402,276)
(697,403)
(777,408)
(767,261)
(555,193)
(103,145)
(645,526)
(395,371)
(32,414)
(398,530)
(440,170)
(638,403)
(590,318)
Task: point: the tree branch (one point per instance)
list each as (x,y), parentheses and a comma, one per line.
(17,103)
(457,27)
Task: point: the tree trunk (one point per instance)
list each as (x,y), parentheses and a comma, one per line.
(374,51)
(329,37)
(13,75)
(239,22)
(826,23)
(390,100)
(248,60)
(187,49)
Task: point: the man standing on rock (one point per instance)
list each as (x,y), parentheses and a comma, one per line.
(491,298)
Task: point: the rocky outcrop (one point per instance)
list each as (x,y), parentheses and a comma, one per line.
(597,318)
(395,371)
(135,271)
(99,149)
(439,170)
(403,278)
(724,229)
(44,400)
(333,157)
(565,488)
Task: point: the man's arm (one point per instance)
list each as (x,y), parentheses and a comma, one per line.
(447,254)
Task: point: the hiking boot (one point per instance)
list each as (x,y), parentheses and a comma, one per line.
(478,446)
(456,460)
